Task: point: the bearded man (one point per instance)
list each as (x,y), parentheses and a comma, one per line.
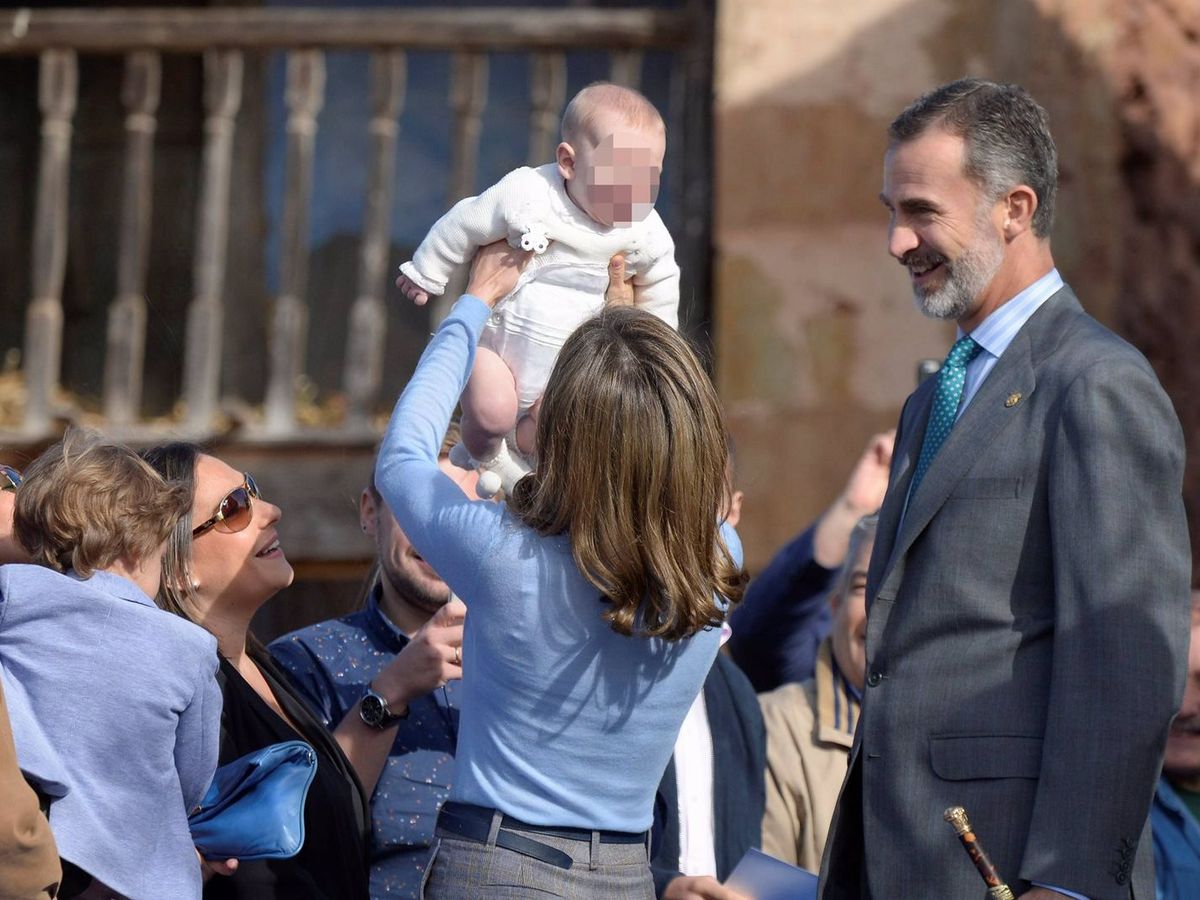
(384,680)
(1028,595)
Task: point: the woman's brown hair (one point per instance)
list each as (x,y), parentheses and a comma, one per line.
(631,464)
(87,502)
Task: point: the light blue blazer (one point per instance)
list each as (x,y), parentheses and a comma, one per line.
(125,694)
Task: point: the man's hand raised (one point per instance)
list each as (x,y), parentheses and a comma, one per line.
(428,661)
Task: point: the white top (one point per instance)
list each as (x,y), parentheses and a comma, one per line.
(694,785)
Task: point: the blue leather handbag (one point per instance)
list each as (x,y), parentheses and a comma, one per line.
(254,808)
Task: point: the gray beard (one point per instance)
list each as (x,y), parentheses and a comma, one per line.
(966,279)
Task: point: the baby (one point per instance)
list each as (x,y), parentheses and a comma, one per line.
(595,201)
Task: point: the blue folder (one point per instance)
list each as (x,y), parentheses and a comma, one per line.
(763,877)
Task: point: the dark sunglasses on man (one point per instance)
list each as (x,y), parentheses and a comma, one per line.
(235,509)
(10,478)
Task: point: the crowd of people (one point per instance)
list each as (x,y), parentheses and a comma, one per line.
(577,692)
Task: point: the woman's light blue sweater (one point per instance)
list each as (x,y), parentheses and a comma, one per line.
(564,721)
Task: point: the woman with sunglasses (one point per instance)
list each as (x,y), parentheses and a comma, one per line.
(102,685)
(221,564)
(595,597)
(10,550)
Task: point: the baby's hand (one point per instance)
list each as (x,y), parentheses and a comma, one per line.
(412,290)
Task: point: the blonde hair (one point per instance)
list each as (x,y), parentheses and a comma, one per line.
(601,100)
(631,464)
(87,502)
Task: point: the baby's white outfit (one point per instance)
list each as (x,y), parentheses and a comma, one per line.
(562,286)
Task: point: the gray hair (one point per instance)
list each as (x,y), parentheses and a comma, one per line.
(1007,137)
(861,535)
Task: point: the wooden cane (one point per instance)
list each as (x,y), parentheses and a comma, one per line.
(996,888)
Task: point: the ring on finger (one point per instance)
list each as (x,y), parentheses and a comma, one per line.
(458,656)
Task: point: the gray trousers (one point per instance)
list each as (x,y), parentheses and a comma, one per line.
(465,870)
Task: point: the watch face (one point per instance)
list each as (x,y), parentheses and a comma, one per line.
(372,709)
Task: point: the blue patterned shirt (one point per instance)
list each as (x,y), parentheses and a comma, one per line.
(331,663)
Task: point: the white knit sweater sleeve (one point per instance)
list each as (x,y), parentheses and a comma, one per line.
(470,223)
(657,280)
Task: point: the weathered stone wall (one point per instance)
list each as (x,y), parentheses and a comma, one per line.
(1155,72)
(816,333)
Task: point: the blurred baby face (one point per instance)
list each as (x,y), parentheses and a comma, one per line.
(615,181)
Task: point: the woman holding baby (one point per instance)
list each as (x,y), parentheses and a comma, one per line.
(594,596)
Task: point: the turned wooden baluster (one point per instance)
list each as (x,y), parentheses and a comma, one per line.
(206,313)
(289,324)
(126,349)
(58,80)
(689,158)
(468,96)
(368,316)
(627,68)
(547,94)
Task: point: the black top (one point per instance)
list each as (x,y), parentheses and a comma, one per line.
(332,864)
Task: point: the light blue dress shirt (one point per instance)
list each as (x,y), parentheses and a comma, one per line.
(998,330)
(993,335)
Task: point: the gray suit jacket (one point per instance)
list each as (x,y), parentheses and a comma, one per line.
(1027,630)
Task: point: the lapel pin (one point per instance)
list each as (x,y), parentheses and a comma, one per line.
(1013,400)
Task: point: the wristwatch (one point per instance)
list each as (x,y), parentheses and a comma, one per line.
(373,710)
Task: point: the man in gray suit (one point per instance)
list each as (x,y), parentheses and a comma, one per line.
(1028,593)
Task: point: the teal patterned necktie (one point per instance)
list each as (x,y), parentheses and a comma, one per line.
(951,377)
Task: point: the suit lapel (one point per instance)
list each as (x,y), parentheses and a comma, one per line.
(904,463)
(970,438)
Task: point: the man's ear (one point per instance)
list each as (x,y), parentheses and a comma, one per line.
(367,510)
(564,155)
(1019,207)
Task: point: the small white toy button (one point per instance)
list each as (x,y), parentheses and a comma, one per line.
(534,238)
(488,485)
